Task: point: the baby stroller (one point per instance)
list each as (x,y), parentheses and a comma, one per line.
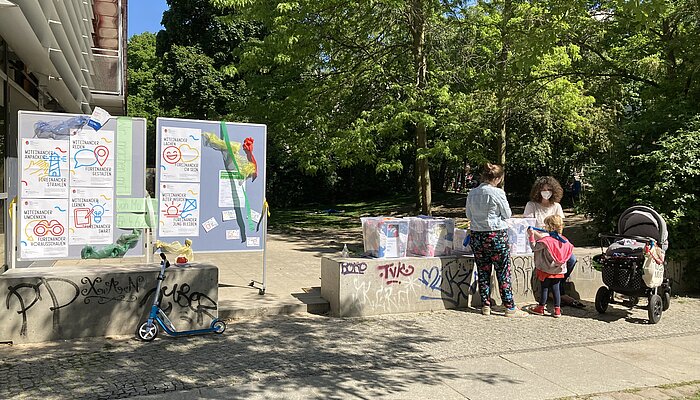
(633,262)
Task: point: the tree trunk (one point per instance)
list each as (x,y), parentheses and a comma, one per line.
(417,27)
(502,139)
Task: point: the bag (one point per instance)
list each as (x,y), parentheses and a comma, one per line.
(653,268)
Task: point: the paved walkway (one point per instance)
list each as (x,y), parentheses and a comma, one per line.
(447,354)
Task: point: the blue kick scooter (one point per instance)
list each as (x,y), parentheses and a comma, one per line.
(157,318)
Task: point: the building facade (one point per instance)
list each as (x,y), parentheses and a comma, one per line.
(61,56)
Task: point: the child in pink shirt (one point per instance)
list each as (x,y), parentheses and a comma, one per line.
(552,250)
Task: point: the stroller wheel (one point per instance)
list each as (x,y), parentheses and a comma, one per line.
(602,299)
(655,308)
(666,300)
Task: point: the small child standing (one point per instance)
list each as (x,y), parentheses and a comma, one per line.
(552,250)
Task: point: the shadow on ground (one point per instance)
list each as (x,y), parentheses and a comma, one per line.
(299,348)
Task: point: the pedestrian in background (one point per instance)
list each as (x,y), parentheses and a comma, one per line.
(487,209)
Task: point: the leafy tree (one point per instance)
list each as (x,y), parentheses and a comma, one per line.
(143,70)
(365,68)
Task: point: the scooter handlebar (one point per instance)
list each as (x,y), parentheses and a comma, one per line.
(164,260)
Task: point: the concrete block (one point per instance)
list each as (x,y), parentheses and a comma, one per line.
(42,304)
(356,287)
(371,286)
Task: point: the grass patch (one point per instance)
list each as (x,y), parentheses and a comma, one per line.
(347,215)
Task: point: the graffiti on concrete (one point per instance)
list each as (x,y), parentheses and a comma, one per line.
(522,269)
(384,298)
(392,272)
(583,270)
(29,295)
(110,290)
(353,268)
(453,282)
(186,298)
(59,293)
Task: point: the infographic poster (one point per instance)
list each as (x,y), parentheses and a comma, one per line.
(43,232)
(44,164)
(77,174)
(180,154)
(91,215)
(226,199)
(179,209)
(92,158)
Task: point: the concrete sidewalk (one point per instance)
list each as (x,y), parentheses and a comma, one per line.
(445,354)
(647,369)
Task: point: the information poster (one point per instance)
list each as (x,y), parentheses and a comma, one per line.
(69,184)
(179,209)
(92,158)
(43,232)
(44,164)
(180,154)
(226,193)
(224,164)
(91,215)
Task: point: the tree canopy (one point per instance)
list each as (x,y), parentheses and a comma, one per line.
(388,96)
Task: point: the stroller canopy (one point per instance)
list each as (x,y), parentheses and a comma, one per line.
(643,221)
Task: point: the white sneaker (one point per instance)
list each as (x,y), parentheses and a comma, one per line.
(486,310)
(515,312)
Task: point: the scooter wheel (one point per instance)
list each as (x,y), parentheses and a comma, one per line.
(147,333)
(219,327)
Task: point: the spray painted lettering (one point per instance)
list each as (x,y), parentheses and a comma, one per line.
(182,295)
(35,289)
(353,268)
(110,290)
(391,273)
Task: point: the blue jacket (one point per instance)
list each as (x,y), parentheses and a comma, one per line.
(487,208)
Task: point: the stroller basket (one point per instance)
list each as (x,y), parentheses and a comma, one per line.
(623,274)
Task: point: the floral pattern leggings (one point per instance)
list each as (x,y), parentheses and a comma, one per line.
(491,249)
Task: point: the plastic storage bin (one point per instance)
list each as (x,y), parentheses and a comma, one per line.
(458,241)
(429,236)
(385,237)
(517,235)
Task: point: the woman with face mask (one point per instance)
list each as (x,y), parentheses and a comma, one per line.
(544,201)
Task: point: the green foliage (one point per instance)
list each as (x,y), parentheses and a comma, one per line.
(144,69)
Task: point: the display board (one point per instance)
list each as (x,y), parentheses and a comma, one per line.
(72,179)
(211,184)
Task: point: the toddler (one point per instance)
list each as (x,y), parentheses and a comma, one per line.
(552,250)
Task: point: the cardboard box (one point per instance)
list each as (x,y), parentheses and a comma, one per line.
(385,237)
(428,236)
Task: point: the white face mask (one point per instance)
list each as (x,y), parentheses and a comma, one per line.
(546,194)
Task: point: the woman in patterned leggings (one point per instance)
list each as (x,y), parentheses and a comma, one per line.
(487,210)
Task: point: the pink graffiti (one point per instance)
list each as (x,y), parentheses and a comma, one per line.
(391,273)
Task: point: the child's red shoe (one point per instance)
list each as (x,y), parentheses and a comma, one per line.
(539,310)
(557,312)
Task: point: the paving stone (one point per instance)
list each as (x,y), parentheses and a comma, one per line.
(302,346)
(653,394)
(628,396)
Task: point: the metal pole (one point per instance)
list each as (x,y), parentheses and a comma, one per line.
(147,239)
(13,247)
(264,277)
